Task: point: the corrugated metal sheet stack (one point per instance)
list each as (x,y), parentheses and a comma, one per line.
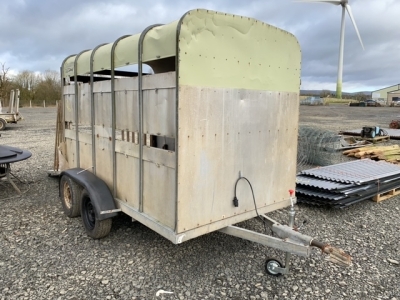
(346,183)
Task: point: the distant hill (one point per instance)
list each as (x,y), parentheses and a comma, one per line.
(318,92)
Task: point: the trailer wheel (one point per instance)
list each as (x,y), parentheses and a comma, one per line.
(95,228)
(70,197)
(270,264)
(2,124)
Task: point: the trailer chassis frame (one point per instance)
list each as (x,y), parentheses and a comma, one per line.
(289,240)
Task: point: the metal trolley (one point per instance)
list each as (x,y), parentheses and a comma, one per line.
(201,136)
(10,114)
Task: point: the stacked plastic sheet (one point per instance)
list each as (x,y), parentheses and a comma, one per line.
(346,183)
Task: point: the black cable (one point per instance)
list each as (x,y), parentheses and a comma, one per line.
(236,201)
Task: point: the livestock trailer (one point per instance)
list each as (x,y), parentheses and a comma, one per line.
(11,115)
(200,134)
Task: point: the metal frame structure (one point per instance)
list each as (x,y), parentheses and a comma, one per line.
(12,115)
(92,112)
(140,97)
(224,113)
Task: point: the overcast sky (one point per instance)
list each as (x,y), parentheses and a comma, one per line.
(37,35)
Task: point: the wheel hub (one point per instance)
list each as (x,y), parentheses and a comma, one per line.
(272,265)
(67,195)
(91,216)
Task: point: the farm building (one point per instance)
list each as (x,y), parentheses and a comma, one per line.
(393,96)
(386,94)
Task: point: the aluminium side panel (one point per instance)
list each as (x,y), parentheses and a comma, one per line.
(69,103)
(103,131)
(232,131)
(69,118)
(127,147)
(84,127)
(84,106)
(159,107)
(159,176)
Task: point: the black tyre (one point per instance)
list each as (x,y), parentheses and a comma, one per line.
(2,124)
(270,264)
(70,196)
(95,228)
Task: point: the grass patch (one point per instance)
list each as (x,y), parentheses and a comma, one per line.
(328,101)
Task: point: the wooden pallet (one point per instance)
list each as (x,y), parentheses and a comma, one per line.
(376,139)
(380,197)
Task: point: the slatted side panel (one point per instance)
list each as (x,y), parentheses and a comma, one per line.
(69,123)
(84,127)
(84,106)
(69,103)
(103,136)
(159,124)
(159,164)
(127,140)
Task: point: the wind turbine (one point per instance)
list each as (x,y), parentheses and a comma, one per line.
(345,6)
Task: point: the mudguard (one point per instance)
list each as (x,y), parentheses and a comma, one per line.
(102,199)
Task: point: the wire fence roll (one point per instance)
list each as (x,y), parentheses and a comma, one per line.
(318,147)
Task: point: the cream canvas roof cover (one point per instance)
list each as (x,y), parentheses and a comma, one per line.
(159,42)
(215,50)
(228,51)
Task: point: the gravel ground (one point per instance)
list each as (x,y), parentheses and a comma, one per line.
(45,255)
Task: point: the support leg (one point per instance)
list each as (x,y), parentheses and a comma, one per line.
(8,177)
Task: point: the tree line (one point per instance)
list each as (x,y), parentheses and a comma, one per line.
(34,87)
(329,94)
